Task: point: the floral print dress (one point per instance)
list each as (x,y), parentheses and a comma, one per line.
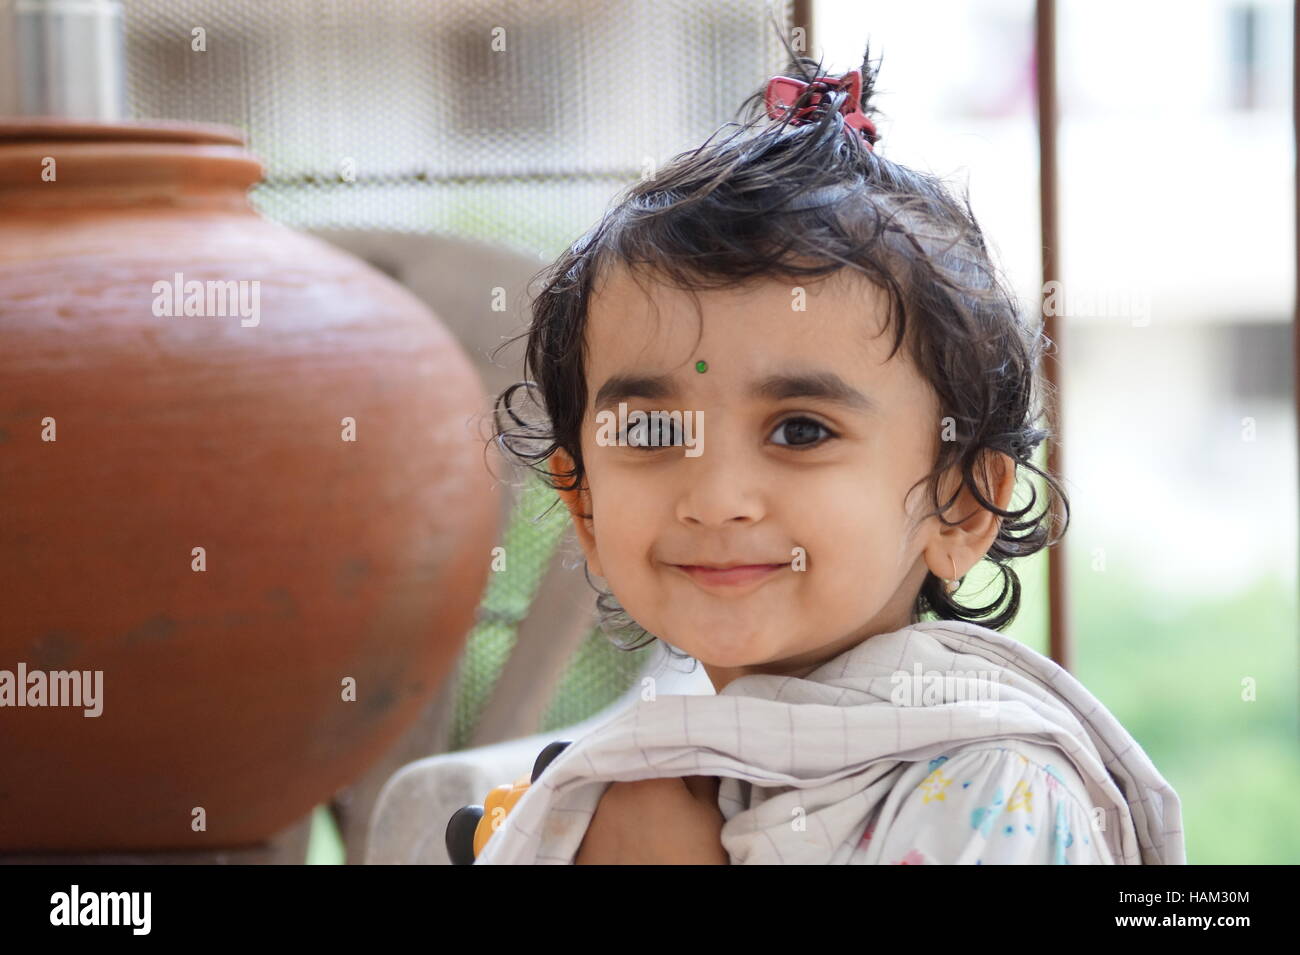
(1012,804)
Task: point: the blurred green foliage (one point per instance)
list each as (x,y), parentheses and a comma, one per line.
(1172,670)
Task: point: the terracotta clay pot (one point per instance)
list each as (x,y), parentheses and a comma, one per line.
(225,710)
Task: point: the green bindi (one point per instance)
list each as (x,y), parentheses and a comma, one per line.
(701,366)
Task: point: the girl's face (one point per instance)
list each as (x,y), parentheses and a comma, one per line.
(801,445)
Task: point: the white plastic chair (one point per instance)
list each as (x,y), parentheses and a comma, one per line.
(409,823)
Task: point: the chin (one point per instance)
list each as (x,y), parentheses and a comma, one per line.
(738,654)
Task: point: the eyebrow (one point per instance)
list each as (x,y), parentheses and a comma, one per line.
(822,385)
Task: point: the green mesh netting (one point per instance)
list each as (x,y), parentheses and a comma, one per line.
(596,676)
(598,673)
(529,541)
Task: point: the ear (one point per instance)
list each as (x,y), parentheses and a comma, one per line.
(960,547)
(578,501)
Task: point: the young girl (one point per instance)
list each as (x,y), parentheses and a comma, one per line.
(836,320)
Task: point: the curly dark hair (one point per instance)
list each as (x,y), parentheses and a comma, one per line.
(792,200)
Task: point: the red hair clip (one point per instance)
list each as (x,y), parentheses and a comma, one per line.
(784,91)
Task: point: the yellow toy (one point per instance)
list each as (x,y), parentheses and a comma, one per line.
(470,827)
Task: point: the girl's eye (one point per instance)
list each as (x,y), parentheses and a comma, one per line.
(655,433)
(799,433)
(796,429)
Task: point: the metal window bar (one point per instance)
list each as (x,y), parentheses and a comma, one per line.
(1295,128)
(1060,644)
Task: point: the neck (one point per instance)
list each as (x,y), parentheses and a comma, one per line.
(803,664)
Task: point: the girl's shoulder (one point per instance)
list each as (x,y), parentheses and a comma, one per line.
(1008,761)
(1005,801)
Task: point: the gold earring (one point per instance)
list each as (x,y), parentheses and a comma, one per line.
(951,583)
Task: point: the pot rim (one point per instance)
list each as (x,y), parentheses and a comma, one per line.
(20,129)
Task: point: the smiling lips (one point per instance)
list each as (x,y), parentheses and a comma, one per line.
(730,578)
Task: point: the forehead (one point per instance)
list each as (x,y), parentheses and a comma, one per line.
(639,325)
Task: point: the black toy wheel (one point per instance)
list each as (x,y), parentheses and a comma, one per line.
(547,756)
(460,834)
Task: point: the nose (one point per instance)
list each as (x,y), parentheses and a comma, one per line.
(721,486)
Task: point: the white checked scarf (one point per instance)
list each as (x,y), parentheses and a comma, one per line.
(832,744)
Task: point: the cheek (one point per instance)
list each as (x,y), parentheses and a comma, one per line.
(624,528)
(859,539)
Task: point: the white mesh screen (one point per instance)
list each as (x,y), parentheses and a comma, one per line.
(442,128)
